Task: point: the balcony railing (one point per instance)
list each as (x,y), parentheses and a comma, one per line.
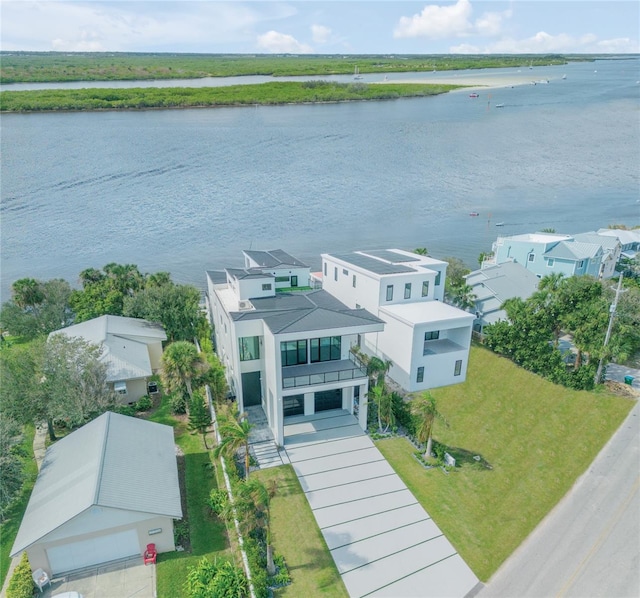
(311,374)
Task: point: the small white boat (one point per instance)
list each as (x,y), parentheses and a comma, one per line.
(499,223)
(564,76)
(499,105)
(356,74)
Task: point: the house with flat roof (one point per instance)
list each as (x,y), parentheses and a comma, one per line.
(493,285)
(548,253)
(103,493)
(287,351)
(131,350)
(426,340)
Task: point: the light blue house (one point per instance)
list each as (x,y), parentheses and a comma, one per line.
(548,253)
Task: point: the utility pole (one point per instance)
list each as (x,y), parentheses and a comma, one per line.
(612,312)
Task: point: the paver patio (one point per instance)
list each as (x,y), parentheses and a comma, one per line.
(381,539)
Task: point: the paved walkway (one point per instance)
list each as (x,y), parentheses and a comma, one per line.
(262,446)
(382,541)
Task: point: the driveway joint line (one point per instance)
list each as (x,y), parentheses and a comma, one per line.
(358,499)
(306,475)
(372,515)
(384,532)
(378,477)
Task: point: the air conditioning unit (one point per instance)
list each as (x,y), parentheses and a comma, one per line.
(243,305)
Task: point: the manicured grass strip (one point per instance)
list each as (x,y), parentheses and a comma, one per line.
(297,537)
(538,438)
(9,528)
(207,532)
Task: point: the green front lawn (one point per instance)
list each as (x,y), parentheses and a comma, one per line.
(538,439)
(9,528)
(297,537)
(208,535)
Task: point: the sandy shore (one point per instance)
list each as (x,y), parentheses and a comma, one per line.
(479,80)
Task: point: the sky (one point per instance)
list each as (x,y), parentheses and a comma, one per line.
(328,27)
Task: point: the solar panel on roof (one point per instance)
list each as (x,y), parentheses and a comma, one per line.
(385,254)
(372,264)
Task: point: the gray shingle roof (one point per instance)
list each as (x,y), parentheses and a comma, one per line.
(274,258)
(114,461)
(299,312)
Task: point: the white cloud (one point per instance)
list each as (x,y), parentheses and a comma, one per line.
(281,43)
(451,21)
(320,33)
(620,45)
(437,21)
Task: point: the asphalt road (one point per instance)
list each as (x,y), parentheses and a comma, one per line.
(589,545)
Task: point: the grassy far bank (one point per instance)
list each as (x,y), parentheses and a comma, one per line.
(537,437)
(207,534)
(185,97)
(9,528)
(109,66)
(296,536)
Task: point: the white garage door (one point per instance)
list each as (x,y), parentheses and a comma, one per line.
(93,551)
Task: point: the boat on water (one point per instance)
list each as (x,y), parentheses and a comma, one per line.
(474,95)
(564,76)
(474,213)
(499,105)
(499,223)
(356,74)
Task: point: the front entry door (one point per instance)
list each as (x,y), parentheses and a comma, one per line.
(251,389)
(294,281)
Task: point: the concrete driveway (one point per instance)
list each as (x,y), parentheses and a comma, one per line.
(121,579)
(382,541)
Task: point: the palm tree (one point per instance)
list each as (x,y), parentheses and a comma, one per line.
(234,430)
(259,496)
(425,409)
(180,364)
(420,250)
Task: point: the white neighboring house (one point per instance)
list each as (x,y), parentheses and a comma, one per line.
(131,349)
(103,493)
(426,340)
(288,352)
(629,239)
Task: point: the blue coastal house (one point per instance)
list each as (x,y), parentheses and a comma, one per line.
(548,253)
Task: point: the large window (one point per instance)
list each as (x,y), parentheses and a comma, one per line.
(293,352)
(390,292)
(282,279)
(249,348)
(266,287)
(420,376)
(425,288)
(407,290)
(532,257)
(458,368)
(325,349)
(429,336)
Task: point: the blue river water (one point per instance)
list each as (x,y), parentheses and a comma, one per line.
(187,190)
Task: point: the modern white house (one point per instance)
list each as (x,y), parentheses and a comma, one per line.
(493,285)
(288,352)
(426,340)
(103,493)
(131,349)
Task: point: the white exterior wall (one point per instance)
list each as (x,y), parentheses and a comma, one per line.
(251,288)
(272,383)
(302,274)
(108,521)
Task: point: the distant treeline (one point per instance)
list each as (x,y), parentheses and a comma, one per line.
(32,67)
(188,97)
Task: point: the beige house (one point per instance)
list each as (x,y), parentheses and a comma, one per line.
(131,349)
(103,493)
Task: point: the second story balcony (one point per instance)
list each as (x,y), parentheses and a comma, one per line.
(310,374)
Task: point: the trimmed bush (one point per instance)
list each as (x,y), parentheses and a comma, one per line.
(144,403)
(21,584)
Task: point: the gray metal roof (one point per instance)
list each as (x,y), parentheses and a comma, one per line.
(606,242)
(573,250)
(300,312)
(391,256)
(274,258)
(242,273)
(114,461)
(503,281)
(124,343)
(217,276)
(371,264)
